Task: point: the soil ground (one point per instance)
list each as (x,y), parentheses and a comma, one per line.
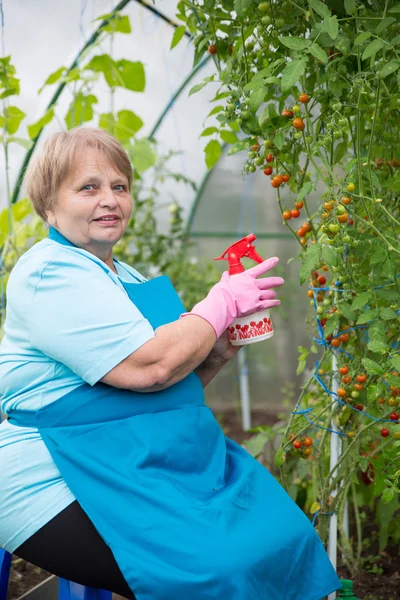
(380,582)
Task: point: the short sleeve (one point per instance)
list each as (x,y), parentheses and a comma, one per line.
(80,317)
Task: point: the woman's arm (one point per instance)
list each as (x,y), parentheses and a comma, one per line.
(220,355)
(176,350)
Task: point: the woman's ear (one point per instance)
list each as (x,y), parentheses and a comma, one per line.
(51,219)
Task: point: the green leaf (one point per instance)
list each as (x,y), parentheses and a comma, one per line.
(384,24)
(123,73)
(310,260)
(395,360)
(387,495)
(279,140)
(340,151)
(142,155)
(27,144)
(331,26)
(387,314)
(346,311)
(209,131)
(292,73)
(215,110)
(36,128)
(361,300)
(364,463)
(362,37)
(350,6)
(332,325)
(242,7)
(379,255)
(392,380)
(213,152)
(395,9)
(329,256)
(239,146)
(13,117)
(294,43)
(378,347)
(125,127)
(372,48)
(228,136)
(377,331)
(320,8)
(317,51)
(80,110)
(256,99)
(53,77)
(372,367)
(256,444)
(118,24)
(367,316)
(305,190)
(279,458)
(178,35)
(301,366)
(389,68)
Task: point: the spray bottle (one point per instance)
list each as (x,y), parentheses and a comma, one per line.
(255,327)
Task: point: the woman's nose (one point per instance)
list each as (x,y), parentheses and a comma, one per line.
(108,198)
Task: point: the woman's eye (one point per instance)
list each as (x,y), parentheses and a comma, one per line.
(87,187)
(120,187)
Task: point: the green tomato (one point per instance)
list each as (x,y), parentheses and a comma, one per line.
(320,309)
(346,239)
(298,135)
(340,209)
(279,23)
(266,20)
(274,34)
(339,249)
(246,114)
(251,168)
(230,106)
(334,227)
(342,122)
(259,161)
(249,45)
(264,7)
(251,154)
(308,139)
(331,242)
(337,135)
(326,302)
(296,108)
(336,106)
(268,143)
(355,394)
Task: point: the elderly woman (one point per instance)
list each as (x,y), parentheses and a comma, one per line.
(114,473)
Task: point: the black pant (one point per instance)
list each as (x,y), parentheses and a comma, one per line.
(70,547)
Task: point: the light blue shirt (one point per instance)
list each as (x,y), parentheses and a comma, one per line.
(69,321)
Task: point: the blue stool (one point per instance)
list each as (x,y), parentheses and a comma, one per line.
(67,590)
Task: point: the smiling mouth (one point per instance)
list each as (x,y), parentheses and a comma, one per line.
(107,219)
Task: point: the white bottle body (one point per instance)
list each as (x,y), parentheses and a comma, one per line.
(253,328)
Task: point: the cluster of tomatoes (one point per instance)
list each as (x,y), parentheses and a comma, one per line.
(302,445)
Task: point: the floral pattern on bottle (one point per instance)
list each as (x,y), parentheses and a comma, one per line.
(250,330)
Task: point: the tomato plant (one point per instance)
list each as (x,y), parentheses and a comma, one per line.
(316,85)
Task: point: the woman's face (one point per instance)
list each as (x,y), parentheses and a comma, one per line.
(93,204)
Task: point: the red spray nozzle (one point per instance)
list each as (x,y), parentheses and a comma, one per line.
(240,249)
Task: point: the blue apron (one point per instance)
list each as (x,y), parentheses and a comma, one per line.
(187,513)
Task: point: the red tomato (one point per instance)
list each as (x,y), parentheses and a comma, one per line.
(308,441)
(394,416)
(297,444)
(268,170)
(341,392)
(299,204)
(361,378)
(385,432)
(295,213)
(212,49)
(269,158)
(321,280)
(287,215)
(344,370)
(298,124)
(335,342)
(285,177)
(303,98)
(344,337)
(277,181)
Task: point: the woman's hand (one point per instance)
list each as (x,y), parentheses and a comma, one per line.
(223,351)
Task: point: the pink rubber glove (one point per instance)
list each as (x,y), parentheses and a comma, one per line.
(238,296)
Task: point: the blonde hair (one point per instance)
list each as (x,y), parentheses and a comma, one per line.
(51,166)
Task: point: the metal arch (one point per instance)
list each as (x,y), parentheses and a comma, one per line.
(120,6)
